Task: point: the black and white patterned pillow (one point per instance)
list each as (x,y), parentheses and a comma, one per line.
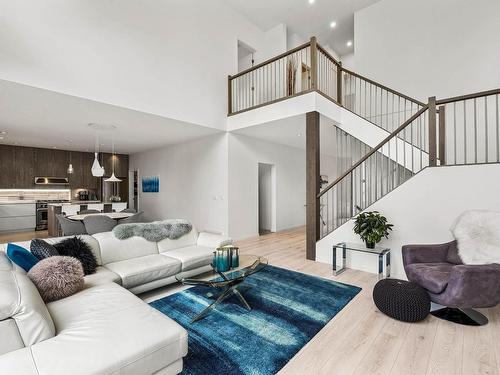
(42,249)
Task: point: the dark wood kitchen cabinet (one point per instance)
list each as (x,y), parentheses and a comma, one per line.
(16,167)
(121,164)
(20,165)
(51,162)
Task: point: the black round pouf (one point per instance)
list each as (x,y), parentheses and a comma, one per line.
(402,300)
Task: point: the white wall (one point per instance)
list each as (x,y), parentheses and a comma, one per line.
(425,48)
(422,211)
(245,154)
(170,58)
(294,40)
(193,182)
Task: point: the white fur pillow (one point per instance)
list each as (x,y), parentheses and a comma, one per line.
(478,235)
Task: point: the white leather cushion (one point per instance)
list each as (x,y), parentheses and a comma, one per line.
(102,276)
(188,239)
(115,250)
(192,256)
(20,300)
(11,338)
(18,362)
(107,330)
(138,271)
(213,240)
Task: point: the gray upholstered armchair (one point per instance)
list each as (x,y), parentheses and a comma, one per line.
(457,286)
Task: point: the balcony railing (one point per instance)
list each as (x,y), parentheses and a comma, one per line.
(308,68)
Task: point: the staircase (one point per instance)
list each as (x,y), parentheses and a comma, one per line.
(460,130)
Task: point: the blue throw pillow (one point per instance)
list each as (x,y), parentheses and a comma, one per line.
(22,257)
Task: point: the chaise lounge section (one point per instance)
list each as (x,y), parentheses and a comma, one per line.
(105,328)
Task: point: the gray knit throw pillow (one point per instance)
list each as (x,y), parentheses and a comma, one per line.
(57,277)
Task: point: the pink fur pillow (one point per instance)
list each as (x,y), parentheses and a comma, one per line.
(57,277)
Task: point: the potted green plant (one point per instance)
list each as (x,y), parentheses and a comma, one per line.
(372,227)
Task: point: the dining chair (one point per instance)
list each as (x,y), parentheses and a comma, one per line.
(86,212)
(98,224)
(137,218)
(70,227)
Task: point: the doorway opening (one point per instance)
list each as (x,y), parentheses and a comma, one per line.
(267,199)
(245,56)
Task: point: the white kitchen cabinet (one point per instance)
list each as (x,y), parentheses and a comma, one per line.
(17,217)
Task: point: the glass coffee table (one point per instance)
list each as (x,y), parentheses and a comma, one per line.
(228,281)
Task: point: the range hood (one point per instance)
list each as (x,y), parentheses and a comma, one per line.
(51,181)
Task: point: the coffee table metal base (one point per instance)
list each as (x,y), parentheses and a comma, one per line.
(229,289)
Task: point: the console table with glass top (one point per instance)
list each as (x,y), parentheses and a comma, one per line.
(382,252)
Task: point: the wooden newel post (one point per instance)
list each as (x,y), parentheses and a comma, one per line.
(339,83)
(312,184)
(442,135)
(229,96)
(432,132)
(314,63)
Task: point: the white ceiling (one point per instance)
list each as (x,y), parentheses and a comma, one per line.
(43,118)
(291,132)
(306,19)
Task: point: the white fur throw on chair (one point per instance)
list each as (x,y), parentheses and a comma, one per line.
(478,235)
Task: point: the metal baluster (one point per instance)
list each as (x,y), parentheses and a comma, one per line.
(498,128)
(465,132)
(454,132)
(475,130)
(366,108)
(370,102)
(404,154)
(486,127)
(422,142)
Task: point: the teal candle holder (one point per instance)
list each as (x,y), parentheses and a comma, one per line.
(235,257)
(222,262)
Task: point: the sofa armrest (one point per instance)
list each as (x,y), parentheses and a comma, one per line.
(435,253)
(213,240)
(475,285)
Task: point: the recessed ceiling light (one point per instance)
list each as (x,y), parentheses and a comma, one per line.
(299,134)
(3,132)
(54,147)
(311,1)
(333,24)
(349,43)
(1,137)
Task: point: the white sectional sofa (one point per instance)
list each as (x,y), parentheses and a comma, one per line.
(103,329)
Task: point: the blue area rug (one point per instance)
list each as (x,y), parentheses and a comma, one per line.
(288,309)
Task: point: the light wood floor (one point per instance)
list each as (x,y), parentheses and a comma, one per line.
(362,341)
(22,236)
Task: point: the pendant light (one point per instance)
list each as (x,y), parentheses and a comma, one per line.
(113,178)
(97,170)
(70,166)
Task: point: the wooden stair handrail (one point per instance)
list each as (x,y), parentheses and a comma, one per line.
(375,149)
(271,60)
(383,87)
(460,98)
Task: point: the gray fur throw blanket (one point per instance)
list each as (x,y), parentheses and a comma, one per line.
(155,231)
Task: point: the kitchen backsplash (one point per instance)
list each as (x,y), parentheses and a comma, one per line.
(7,195)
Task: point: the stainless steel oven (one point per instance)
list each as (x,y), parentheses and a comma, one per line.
(42,215)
